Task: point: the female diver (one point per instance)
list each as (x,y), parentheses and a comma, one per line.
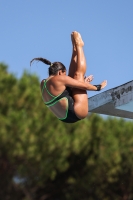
(64,95)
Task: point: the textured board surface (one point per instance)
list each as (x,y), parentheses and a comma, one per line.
(117,101)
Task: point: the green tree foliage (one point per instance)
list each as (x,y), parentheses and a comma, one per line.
(42,158)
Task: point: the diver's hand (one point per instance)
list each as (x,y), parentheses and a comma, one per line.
(88,79)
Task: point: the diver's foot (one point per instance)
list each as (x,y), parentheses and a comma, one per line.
(77,39)
(103,84)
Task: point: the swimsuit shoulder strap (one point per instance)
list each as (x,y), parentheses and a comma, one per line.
(45,87)
(55,98)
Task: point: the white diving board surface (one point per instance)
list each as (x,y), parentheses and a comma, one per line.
(117,101)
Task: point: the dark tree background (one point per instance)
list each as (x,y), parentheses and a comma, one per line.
(42,158)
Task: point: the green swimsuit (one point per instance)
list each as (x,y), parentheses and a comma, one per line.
(70,116)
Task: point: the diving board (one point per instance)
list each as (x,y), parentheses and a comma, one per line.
(117,101)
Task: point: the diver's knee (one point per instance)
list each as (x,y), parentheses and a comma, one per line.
(79,76)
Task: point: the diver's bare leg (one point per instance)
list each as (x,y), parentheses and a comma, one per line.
(73,63)
(81,61)
(80,96)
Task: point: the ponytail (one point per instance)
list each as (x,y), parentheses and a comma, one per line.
(54,67)
(47,62)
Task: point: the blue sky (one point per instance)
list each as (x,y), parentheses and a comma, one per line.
(42,28)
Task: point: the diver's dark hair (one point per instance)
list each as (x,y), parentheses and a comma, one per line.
(54,67)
